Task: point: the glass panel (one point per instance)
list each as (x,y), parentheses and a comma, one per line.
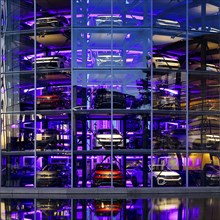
(204,132)
(105,174)
(53,208)
(54,171)
(17,15)
(171,18)
(203,169)
(204,17)
(169,131)
(16,58)
(17,132)
(166,206)
(18,171)
(53,132)
(204,91)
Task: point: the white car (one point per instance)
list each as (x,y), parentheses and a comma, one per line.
(49,22)
(162,176)
(166,23)
(162,62)
(107,20)
(104,139)
(108,60)
(51,62)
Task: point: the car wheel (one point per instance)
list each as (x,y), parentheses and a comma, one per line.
(134,181)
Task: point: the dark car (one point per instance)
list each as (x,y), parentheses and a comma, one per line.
(53,101)
(103,175)
(212,175)
(103,99)
(54,175)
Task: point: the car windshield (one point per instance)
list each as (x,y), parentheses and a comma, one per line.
(106,166)
(159,168)
(213,169)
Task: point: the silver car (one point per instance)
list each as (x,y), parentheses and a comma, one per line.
(104,139)
(161,174)
(108,20)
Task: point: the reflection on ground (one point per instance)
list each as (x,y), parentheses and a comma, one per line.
(166,207)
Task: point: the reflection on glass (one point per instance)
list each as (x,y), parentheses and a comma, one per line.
(152,208)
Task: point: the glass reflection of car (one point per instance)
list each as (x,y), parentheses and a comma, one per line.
(103,98)
(47,139)
(166,102)
(108,59)
(204,132)
(207,29)
(162,62)
(162,176)
(103,175)
(52,22)
(161,140)
(106,207)
(53,101)
(51,62)
(212,175)
(105,138)
(166,23)
(196,65)
(108,20)
(54,175)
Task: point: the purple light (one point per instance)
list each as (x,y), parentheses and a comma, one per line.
(14,126)
(170,90)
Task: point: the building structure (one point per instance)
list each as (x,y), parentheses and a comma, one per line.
(93,90)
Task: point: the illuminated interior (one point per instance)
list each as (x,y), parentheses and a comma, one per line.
(147,72)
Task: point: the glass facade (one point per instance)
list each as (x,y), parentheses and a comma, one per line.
(110,93)
(152,208)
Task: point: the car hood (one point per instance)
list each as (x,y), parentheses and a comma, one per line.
(164,58)
(165,173)
(109,136)
(46,173)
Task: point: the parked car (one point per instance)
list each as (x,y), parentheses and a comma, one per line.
(105,59)
(162,62)
(54,175)
(166,23)
(196,65)
(52,22)
(212,175)
(108,20)
(51,62)
(104,139)
(103,97)
(162,176)
(103,175)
